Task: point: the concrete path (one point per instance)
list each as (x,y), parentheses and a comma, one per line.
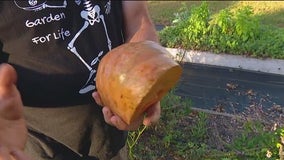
(235,61)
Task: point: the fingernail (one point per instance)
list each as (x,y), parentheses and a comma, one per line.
(107,112)
(94,94)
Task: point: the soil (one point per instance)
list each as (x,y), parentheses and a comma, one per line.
(221,129)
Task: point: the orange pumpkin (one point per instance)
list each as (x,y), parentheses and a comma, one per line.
(133,76)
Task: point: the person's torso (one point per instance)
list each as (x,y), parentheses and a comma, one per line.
(56,46)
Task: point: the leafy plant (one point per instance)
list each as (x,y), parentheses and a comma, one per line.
(174,108)
(233,32)
(194,33)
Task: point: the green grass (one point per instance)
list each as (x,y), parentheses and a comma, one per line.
(162,12)
(186,134)
(247,28)
(270,12)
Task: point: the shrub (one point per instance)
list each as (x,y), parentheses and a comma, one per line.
(238,32)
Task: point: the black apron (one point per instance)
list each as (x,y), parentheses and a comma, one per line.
(55,47)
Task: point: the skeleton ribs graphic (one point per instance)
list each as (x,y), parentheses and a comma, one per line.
(91,14)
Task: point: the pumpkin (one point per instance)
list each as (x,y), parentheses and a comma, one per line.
(134,76)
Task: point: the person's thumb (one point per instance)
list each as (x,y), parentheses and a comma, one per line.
(8,78)
(10,99)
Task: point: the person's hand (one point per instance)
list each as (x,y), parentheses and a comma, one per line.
(17,154)
(152,116)
(13,131)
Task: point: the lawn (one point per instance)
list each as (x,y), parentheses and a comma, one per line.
(249,28)
(270,12)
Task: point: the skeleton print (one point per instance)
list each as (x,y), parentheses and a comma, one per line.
(91,14)
(37,5)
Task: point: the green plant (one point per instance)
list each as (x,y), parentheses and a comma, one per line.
(255,142)
(229,31)
(132,138)
(174,108)
(199,130)
(194,33)
(222,24)
(171,36)
(280,144)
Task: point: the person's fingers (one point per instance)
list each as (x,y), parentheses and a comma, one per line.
(10,99)
(4,154)
(7,69)
(8,78)
(112,119)
(119,123)
(20,155)
(152,114)
(97,98)
(107,115)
